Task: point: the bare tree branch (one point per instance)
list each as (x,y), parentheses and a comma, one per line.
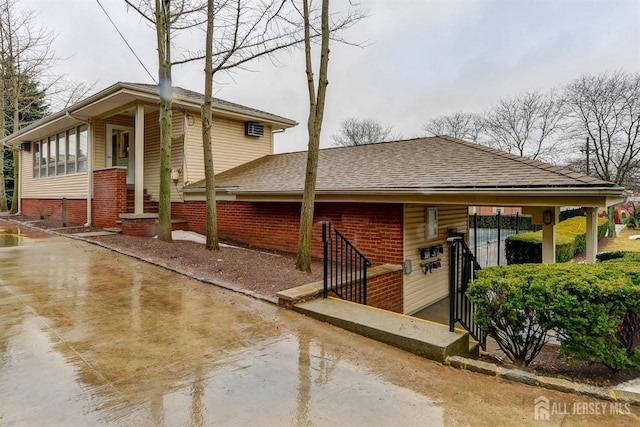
(363,131)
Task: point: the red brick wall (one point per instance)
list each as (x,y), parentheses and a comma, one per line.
(140,227)
(109,196)
(375,229)
(385,292)
(52,209)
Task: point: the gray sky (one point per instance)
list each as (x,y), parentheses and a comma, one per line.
(424,58)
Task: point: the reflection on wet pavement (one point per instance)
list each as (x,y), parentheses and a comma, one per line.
(91,337)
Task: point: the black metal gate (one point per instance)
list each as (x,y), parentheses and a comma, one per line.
(345,267)
(462,270)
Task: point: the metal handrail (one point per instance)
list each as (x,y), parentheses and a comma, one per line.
(345,267)
(462,271)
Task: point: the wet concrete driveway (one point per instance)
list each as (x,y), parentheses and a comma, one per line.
(90,337)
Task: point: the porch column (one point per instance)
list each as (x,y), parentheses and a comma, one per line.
(139,160)
(550,217)
(549,244)
(592,234)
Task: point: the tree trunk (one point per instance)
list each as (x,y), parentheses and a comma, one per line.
(207,120)
(16,180)
(611,232)
(314,127)
(3,191)
(166,125)
(15,95)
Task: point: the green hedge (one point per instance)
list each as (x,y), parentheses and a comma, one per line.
(571,238)
(593,308)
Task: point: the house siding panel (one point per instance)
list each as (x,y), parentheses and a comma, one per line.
(422,289)
(73,186)
(152,153)
(98,128)
(231,147)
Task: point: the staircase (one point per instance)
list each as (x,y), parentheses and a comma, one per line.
(149,205)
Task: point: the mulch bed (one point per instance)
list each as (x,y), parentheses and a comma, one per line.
(551,363)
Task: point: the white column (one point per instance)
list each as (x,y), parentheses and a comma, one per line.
(592,234)
(549,244)
(139,160)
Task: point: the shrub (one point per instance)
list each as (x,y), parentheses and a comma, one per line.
(571,238)
(593,308)
(508,309)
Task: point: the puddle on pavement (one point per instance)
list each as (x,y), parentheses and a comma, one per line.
(10,237)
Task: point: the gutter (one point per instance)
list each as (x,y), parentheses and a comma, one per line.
(89,164)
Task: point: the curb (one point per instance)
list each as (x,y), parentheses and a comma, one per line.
(550,383)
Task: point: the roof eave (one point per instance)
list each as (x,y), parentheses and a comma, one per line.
(594,197)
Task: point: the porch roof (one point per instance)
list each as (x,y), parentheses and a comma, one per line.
(120,98)
(442,168)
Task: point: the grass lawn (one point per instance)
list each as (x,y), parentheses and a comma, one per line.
(623,243)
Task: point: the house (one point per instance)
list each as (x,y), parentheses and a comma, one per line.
(101,155)
(397,202)
(394,200)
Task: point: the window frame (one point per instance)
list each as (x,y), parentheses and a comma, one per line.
(67,159)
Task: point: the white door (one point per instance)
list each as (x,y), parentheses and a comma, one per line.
(120,149)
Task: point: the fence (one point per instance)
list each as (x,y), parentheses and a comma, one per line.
(487,234)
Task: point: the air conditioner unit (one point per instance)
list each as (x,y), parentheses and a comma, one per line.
(253,129)
(25,146)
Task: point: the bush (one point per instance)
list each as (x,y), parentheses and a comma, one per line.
(510,312)
(593,308)
(571,238)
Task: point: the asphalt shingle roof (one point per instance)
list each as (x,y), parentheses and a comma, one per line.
(434,163)
(198,98)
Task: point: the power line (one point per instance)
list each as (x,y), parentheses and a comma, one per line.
(126,42)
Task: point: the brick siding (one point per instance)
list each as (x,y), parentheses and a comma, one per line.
(385,292)
(109,196)
(375,229)
(52,209)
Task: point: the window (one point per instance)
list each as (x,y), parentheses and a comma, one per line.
(124,144)
(83,132)
(36,159)
(61,154)
(73,149)
(431,223)
(52,156)
(44,158)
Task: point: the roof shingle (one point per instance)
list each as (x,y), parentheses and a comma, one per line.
(433,163)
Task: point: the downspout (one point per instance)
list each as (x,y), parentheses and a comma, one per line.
(89,164)
(19,211)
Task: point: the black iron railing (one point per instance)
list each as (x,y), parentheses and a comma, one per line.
(345,268)
(462,270)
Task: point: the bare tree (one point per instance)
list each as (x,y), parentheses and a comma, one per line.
(167,17)
(361,132)
(526,124)
(606,109)
(460,125)
(26,55)
(316,115)
(245,32)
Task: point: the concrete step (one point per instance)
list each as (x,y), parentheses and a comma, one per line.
(421,337)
